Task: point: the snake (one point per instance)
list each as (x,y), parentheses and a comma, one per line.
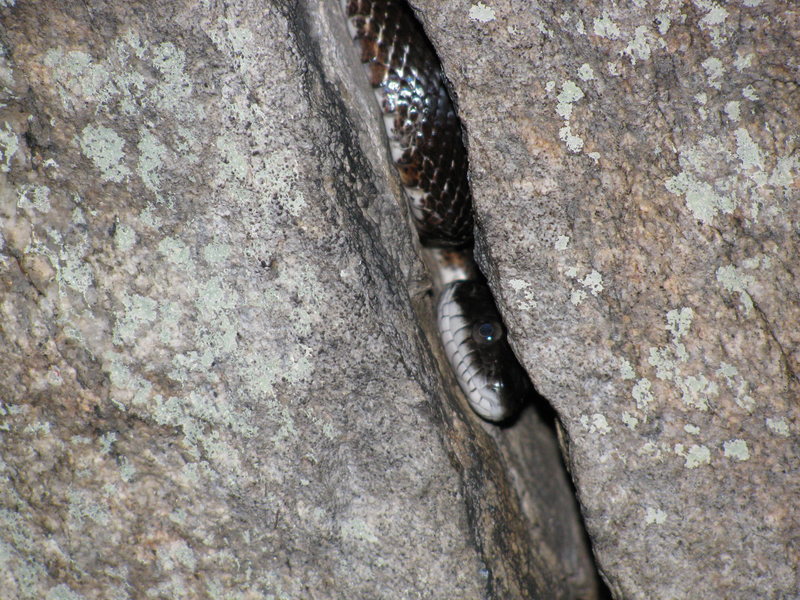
(427,149)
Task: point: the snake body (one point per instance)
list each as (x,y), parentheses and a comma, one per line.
(428,151)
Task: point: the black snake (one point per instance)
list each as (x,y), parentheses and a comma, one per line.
(427,149)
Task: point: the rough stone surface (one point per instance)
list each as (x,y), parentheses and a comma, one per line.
(214,384)
(637,180)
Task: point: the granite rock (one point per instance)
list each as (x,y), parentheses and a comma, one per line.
(637,186)
(219,378)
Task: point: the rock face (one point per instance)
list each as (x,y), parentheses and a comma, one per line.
(637,181)
(215,383)
(219,374)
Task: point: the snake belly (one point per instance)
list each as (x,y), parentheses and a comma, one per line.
(428,151)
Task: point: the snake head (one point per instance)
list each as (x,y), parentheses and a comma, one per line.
(476,345)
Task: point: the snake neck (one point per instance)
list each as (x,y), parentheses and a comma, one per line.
(448,265)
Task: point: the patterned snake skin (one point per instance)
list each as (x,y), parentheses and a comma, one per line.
(427,149)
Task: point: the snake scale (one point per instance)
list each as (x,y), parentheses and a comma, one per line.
(427,149)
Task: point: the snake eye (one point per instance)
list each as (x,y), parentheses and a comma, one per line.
(487,332)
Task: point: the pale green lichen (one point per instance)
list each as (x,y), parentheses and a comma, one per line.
(595,423)
(175,251)
(132,40)
(593,282)
(9,144)
(702,198)
(629,420)
(606,28)
(573,142)
(642,394)
(748,151)
(664,360)
(17,531)
(238,41)
(280,171)
(234,163)
(149,217)
(105,148)
(626,370)
(639,47)
(696,456)
(128,384)
(778,426)
(701,99)
(679,322)
(696,390)
(715,71)
(664,22)
(570,93)
(743,61)
(81,80)
(543,29)
(737,281)
(139,314)
(482,13)
(740,388)
(216,253)
(521,286)
(716,14)
(691,429)
(124,238)
(27,572)
(216,298)
(170,313)
(669,361)
(711,172)
(585,72)
(713,21)
(726,370)
(34,197)
(782,175)
(172,93)
(126,469)
(74,271)
(733,110)
(652,450)
(107,441)
(562,243)
(152,157)
(83,506)
(749,92)
(736,449)
(175,554)
(78,78)
(654,516)
(179,516)
(577,296)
